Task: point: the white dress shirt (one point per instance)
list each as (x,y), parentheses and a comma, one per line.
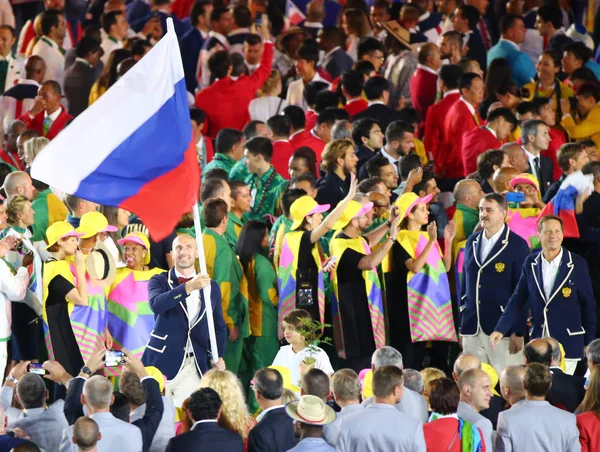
(192,305)
(109,45)
(262,414)
(532,165)
(54,58)
(488,244)
(549,272)
(391,159)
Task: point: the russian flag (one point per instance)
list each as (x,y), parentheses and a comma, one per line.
(133,147)
(564,202)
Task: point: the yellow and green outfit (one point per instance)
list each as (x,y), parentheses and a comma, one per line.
(466,219)
(281,227)
(225,269)
(231,233)
(221,161)
(265,194)
(48,210)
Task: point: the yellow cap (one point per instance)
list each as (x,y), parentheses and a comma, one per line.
(287,378)
(140,239)
(157,375)
(303,207)
(407,201)
(93,223)
(60,230)
(493,376)
(353,209)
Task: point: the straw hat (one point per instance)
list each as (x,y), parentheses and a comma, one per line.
(60,230)
(310,410)
(407,201)
(100,265)
(290,32)
(93,223)
(353,209)
(140,239)
(303,207)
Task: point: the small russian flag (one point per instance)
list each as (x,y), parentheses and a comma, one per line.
(133,147)
(294,14)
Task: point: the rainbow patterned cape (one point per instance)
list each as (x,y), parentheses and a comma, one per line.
(373,290)
(130,319)
(286,277)
(523,222)
(89,323)
(429,301)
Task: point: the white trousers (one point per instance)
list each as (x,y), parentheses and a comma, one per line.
(185,382)
(499,358)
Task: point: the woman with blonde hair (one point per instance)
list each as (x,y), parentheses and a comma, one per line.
(429,374)
(588,421)
(234,412)
(268,103)
(32,148)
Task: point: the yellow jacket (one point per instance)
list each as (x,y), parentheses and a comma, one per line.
(587,128)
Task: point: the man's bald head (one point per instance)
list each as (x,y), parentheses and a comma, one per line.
(18,183)
(502,177)
(465,362)
(184,252)
(86,433)
(556,353)
(183,239)
(511,383)
(14,129)
(35,68)
(468,192)
(315,11)
(538,351)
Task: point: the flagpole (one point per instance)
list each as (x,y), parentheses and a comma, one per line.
(206,291)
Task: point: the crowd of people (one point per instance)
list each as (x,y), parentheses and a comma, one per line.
(400,221)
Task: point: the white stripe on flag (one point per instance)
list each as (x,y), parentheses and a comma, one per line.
(82,146)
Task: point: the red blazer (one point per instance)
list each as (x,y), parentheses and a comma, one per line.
(312,141)
(226,101)
(282,151)
(434,126)
(311,119)
(589,431)
(439,434)
(356,106)
(457,123)
(37,123)
(474,143)
(423,89)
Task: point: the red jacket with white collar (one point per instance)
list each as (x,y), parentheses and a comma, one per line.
(282,151)
(356,106)
(458,122)
(423,89)
(37,123)
(474,143)
(311,140)
(434,126)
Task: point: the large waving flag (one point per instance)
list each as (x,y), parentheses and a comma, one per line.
(564,202)
(133,147)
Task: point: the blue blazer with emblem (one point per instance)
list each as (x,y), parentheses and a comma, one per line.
(568,315)
(488,285)
(167,345)
(190,45)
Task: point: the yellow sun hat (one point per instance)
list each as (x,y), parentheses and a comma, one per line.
(140,239)
(60,230)
(407,201)
(303,207)
(353,209)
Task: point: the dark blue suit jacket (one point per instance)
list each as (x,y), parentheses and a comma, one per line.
(568,315)
(432,21)
(488,285)
(207,437)
(166,347)
(477,50)
(274,432)
(190,45)
(181,27)
(148,424)
(339,63)
(136,10)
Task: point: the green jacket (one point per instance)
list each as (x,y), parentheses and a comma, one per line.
(221,161)
(265,194)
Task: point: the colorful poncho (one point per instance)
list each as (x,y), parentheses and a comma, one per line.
(523,222)
(286,276)
(429,301)
(89,323)
(373,290)
(130,319)
(470,439)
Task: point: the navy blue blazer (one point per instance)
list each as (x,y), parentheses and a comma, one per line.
(568,315)
(274,433)
(434,19)
(190,45)
(206,437)
(136,10)
(339,63)
(476,48)
(166,348)
(488,285)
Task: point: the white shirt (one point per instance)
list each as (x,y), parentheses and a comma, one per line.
(204,421)
(53,116)
(532,165)
(263,108)
(47,49)
(109,45)
(7,16)
(193,306)
(549,271)
(488,244)
(391,159)
(286,357)
(262,414)
(426,68)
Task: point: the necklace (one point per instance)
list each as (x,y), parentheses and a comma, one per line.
(264,191)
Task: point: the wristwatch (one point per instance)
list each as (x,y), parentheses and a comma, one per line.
(86,370)
(11,378)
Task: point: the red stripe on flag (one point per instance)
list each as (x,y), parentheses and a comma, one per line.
(161,203)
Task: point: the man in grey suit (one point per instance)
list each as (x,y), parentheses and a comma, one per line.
(43,425)
(412,404)
(535,424)
(81,75)
(346,389)
(380,426)
(131,387)
(511,385)
(475,393)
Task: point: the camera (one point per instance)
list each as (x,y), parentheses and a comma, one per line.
(304,296)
